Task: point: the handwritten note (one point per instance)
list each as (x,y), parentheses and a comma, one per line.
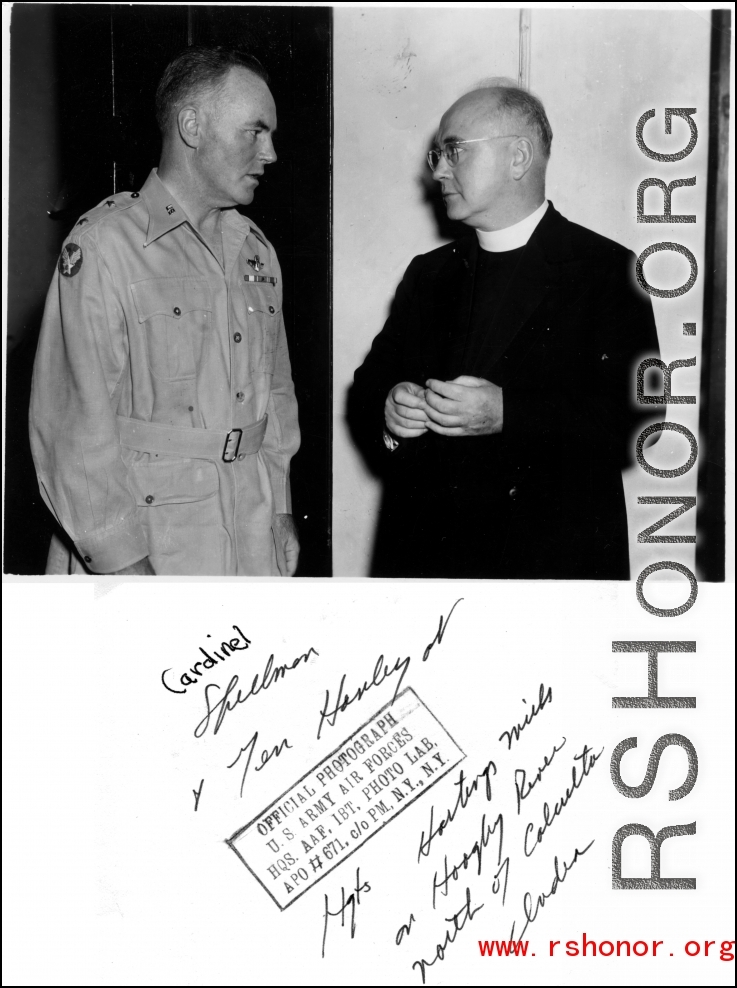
(174,812)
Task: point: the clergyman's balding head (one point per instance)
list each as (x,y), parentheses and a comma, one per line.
(497,141)
(516,109)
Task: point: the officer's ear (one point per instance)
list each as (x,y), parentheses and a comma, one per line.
(189,125)
(523,156)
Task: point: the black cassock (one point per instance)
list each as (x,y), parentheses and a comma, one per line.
(560,325)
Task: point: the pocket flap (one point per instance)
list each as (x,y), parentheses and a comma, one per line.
(173,481)
(261,298)
(164,296)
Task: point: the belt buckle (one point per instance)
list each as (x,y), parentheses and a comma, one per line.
(231,454)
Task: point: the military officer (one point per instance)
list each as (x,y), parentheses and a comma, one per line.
(163,416)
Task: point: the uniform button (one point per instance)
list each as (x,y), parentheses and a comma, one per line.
(135,195)
(250,308)
(241,456)
(272,310)
(149,499)
(237,337)
(190,408)
(240,395)
(513,492)
(177,311)
(88,559)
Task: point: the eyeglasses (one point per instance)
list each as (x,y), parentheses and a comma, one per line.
(452,152)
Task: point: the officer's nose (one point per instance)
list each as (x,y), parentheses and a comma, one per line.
(268,152)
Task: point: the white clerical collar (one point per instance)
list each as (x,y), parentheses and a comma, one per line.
(513,236)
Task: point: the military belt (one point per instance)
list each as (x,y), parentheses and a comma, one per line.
(200,444)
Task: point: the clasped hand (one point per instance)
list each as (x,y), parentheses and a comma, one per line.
(466,406)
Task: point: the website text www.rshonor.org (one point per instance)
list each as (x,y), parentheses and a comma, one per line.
(587,947)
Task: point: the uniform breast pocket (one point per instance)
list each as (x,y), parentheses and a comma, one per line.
(264,316)
(175,314)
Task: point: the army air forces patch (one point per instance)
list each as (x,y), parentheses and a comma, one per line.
(71,260)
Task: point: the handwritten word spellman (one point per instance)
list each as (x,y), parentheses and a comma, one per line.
(163,416)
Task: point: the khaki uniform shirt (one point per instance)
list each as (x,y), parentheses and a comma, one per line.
(163,416)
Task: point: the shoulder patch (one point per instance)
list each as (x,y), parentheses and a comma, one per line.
(70,260)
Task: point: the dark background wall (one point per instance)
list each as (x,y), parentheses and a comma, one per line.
(83,79)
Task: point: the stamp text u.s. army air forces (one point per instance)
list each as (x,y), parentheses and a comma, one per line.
(400,753)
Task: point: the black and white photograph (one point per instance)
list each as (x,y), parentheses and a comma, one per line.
(368,546)
(520,475)
(148,330)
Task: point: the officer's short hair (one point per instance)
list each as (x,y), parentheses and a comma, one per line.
(198,69)
(520,102)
